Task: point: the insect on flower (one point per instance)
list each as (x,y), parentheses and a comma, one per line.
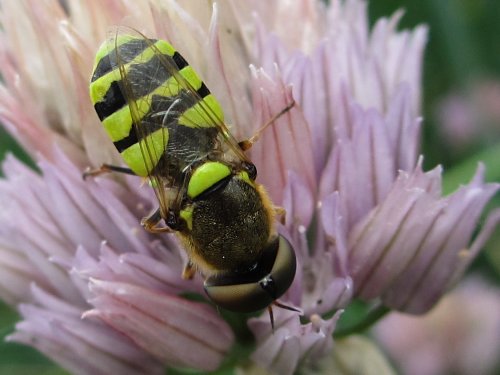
(169,128)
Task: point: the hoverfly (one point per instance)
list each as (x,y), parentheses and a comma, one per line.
(168,127)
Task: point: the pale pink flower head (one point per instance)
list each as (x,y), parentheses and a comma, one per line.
(471,116)
(461,335)
(364,219)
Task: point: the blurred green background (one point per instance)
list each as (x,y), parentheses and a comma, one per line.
(462,65)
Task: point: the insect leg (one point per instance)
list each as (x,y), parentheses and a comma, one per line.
(283,306)
(271,316)
(188,271)
(248,143)
(106,168)
(280,212)
(150,223)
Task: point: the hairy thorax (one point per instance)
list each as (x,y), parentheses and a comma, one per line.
(230,227)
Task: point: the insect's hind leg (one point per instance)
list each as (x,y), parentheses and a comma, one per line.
(106,168)
(248,143)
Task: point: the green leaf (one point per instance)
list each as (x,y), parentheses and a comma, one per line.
(8,144)
(358,317)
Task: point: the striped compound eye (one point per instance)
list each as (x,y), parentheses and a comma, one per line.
(258,288)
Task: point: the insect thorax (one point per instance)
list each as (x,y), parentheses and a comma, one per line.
(230,226)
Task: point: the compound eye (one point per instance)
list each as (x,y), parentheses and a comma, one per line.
(256,289)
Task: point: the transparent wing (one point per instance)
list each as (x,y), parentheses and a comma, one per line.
(177,122)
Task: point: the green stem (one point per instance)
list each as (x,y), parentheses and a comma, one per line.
(371,318)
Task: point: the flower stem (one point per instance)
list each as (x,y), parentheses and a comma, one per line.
(370,318)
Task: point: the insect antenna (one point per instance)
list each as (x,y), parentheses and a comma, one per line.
(280,305)
(248,143)
(271,316)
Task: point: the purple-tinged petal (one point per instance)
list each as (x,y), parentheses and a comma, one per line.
(429,344)
(186,25)
(45,272)
(403,128)
(334,227)
(30,27)
(409,248)
(322,290)
(105,209)
(229,57)
(398,57)
(362,166)
(50,302)
(172,329)
(326,284)
(307,14)
(299,201)
(77,214)
(81,260)
(345,58)
(329,285)
(445,250)
(28,211)
(373,163)
(16,275)
(79,51)
(286,144)
(297,238)
(137,269)
(30,226)
(322,282)
(308,77)
(376,239)
(83,347)
(129,235)
(355,354)
(468,255)
(292,343)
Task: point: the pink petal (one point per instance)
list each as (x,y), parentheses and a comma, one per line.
(174,330)
(286,144)
(291,343)
(57,330)
(408,249)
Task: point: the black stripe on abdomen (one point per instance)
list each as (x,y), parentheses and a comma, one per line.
(112,101)
(126,53)
(203,90)
(128,141)
(179,60)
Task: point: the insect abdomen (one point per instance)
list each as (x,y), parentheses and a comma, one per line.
(135,94)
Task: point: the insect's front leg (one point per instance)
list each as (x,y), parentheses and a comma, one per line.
(151,223)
